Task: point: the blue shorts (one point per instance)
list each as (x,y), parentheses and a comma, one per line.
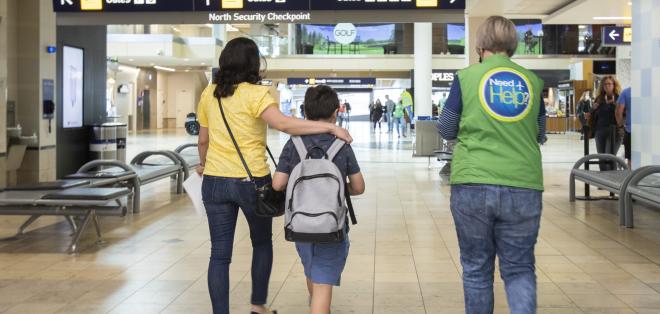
(324,262)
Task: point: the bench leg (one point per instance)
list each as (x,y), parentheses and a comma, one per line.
(136,199)
(179,182)
(72,223)
(81,229)
(628,211)
(97,226)
(571,189)
(26,224)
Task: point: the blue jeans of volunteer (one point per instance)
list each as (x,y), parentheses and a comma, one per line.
(496,220)
(400,126)
(222,199)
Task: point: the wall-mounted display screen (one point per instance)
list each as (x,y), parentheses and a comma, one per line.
(530,37)
(606,67)
(72,87)
(370,39)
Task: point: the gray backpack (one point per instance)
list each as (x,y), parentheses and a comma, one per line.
(316,198)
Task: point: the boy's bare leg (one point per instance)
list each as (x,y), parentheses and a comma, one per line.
(310,289)
(321,298)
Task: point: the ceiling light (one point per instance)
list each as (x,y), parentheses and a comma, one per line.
(164,68)
(203,63)
(612,18)
(582,26)
(629,2)
(131,60)
(209,25)
(176,29)
(186,59)
(187,70)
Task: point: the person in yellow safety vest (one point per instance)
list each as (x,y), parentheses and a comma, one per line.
(407,102)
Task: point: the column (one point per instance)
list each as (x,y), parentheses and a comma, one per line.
(645,80)
(3,94)
(423,69)
(472,24)
(36,29)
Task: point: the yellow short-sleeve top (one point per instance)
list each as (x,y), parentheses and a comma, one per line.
(243,111)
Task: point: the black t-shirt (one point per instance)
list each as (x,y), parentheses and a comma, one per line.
(345,159)
(605,116)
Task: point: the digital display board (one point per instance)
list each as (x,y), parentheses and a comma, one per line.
(249,5)
(72,87)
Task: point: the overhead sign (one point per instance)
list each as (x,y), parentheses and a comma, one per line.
(387,4)
(351,81)
(443,78)
(250,5)
(617,35)
(122,5)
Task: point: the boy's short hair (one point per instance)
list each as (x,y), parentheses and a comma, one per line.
(321,102)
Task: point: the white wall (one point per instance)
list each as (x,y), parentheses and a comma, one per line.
(195,82)
(126,104)
(161,98)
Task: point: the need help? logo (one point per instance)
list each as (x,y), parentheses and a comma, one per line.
(506,94)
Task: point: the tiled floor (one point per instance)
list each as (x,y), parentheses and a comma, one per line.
(403,256)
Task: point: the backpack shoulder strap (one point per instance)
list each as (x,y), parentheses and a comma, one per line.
(334,149)
(300,147)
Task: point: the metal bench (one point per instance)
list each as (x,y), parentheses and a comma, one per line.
(85,202)
(188,154)
(142,170)
(642,186)
(612,181)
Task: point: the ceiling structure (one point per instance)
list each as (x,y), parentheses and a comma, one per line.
(555,11)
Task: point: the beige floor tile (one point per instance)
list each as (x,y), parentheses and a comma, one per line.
(404,255)
(29,308)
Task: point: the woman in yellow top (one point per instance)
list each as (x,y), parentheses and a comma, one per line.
(249,108)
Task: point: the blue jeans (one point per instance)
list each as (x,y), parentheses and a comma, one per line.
(496,220)
(390,122)
(400,126)
(222,199)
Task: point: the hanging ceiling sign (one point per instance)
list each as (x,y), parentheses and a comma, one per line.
(122,5)
(387,4)
(617,36)
(249,5)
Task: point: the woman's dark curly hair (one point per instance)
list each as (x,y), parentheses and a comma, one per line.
(240,62)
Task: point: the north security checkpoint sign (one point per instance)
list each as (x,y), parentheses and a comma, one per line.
(617,35)
(248,5)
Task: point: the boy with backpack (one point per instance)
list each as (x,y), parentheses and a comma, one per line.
(313,169)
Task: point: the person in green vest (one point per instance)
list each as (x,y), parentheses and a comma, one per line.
(407,100)
(399,119)
(496,113)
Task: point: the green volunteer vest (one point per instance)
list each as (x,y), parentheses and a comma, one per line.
(497,139)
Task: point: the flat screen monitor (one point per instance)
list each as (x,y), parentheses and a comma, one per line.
(72,87)
(604,67)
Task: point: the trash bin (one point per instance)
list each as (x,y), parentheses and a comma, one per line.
(122,133)
(103,142)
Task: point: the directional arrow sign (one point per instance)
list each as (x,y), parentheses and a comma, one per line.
(614,36)
(69,2)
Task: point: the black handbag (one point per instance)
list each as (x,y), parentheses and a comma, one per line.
(270,203)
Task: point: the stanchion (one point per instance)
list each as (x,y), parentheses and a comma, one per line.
(587,191)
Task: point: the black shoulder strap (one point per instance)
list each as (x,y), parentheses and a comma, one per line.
(233,139)
(349,204)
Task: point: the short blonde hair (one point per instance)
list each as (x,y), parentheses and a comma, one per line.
(498,34)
